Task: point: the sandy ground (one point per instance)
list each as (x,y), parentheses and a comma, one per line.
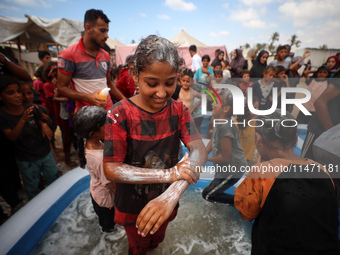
(63,168)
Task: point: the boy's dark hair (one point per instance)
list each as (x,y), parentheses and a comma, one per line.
(324,67)
(243,72)
(218,64)
(218,50)
(114,72)
(185,72)
(92,15)
(279,69)
(269,68)
(193,48)
(218,72)
(43,53)
(206,57)
(281,47)
(225,62)
(46,72)
(7,80)
(288,47)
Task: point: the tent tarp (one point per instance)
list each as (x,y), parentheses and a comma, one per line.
(317,57)
(35,30)
(123,51)
(113,43)
(184,39)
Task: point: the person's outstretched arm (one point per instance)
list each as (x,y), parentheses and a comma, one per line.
(15,69)
(114,91)
(158,210)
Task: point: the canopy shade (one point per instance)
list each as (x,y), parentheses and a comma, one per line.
(36,30)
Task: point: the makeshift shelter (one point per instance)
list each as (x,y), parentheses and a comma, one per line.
(184,40)
(36,30)
(317,56)
(29,35)
(113,43)
(110,47)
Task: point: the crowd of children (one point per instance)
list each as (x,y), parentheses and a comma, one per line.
(132,150)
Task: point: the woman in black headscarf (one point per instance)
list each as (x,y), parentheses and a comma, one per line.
(259,65)
(219,58)
(237,64)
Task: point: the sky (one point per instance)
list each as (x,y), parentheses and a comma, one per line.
(215,22)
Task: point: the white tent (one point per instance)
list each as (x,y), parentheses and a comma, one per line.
(36,30)
(113,43)
(184,39)
(317,57)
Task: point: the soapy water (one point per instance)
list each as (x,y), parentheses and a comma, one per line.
(200,227)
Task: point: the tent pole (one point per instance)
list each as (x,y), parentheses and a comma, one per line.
(19,50)
(56,46)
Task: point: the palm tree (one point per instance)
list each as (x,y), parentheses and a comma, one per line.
(275,37)
(323,47)
(294,41)
(260,46)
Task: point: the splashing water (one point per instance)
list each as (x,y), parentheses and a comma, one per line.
(200,227)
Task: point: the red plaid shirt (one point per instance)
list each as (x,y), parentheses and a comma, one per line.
(143,139)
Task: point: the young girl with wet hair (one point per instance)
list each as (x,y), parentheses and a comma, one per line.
(226,151)
(292,199)
(142,137)
(89,126)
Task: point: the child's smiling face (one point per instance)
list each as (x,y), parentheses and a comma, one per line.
(185,82)
(156,85)
(205,62)
(11,95)
(27,93)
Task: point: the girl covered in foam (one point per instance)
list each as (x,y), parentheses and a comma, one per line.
(142,138)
